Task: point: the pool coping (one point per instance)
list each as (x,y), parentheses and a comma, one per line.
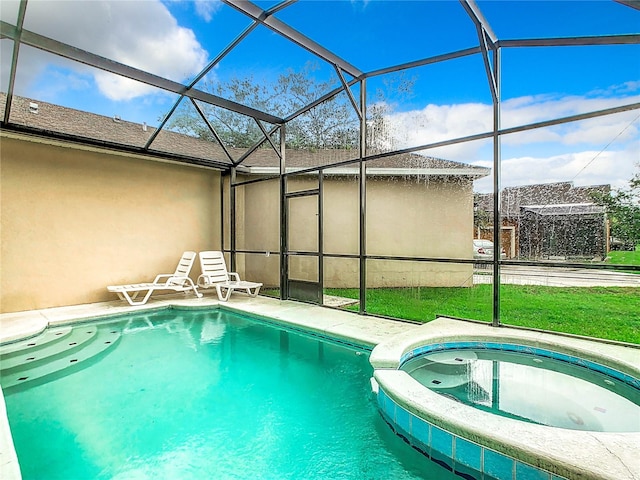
(563,452)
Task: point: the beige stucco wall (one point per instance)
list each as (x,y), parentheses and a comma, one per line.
(88,218)
(74,220)
(405,217)
(417,217)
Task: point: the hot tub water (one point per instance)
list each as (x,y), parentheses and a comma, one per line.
(532,388)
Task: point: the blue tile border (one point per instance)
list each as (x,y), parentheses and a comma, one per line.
(498,466)
(527,472)
(465,458)
(511,347)
(421,433)
(403,420)
(442,441)
(468,453)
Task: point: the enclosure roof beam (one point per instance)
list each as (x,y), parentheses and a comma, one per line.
(506,131)
(629,3)
(14,59)
(347,90)
(628,39)
(199,77)
(212,130)
(73,53)
(535,42)
(487,40)
(476,15)
(256,13)
(267,136)
(284,4)
(423,62)
(211,65)
(257,145)
(383,71)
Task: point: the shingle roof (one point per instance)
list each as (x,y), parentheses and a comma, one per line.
(78,123)
(560,193)
(48,117)
(566,209)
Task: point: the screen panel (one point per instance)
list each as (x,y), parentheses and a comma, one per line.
(422,291)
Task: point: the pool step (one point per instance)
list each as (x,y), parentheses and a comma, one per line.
(39,352)
(443,370)
(34,343)
(81,345)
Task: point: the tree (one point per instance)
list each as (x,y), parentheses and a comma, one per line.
(333,124)
(623,210)
(235,130)
(394,90)
(482,219)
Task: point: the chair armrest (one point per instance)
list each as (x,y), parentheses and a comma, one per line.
(172,279)
(163,275)
(233,274)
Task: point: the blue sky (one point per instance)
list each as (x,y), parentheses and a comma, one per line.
(177,39)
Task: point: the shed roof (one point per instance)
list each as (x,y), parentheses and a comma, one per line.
(542,194)
(565,209)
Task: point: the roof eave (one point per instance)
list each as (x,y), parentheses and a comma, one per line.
(475,172)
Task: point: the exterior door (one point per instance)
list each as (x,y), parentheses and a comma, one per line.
(303,253)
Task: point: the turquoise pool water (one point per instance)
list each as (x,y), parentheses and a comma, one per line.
(531,387)
(193,395)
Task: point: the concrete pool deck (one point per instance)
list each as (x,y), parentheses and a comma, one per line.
(330,322)
(346,326)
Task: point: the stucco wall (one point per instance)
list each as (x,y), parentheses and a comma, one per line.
(417,217)
(405,217)
(75,220)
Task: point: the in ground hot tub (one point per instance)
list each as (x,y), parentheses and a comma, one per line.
(530,384)
(509,404)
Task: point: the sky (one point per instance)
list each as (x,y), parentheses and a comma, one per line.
(177,39)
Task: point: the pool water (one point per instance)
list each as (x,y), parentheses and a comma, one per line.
(532,388)
(208,394)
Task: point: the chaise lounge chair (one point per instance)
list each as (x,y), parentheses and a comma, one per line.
(215,274)
(178,281)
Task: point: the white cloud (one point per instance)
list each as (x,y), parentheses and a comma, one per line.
(582,168)
(439,122)
(526,110)
(614,168)
(360,3)
(207,8)
(141,34)
(594,151)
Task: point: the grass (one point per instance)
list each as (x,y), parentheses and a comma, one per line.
(602,312)
(625,258)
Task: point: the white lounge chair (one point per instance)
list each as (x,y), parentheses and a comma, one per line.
(178,281)
(215,274)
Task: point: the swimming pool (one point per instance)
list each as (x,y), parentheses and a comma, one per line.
(195,394)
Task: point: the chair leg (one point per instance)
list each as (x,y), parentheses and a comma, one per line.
(223,296)
(193,287)
(255,292)
(124,295)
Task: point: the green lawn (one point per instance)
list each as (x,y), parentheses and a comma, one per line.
(603,312)
(625,258)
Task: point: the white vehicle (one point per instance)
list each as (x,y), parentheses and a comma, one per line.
(483,250)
